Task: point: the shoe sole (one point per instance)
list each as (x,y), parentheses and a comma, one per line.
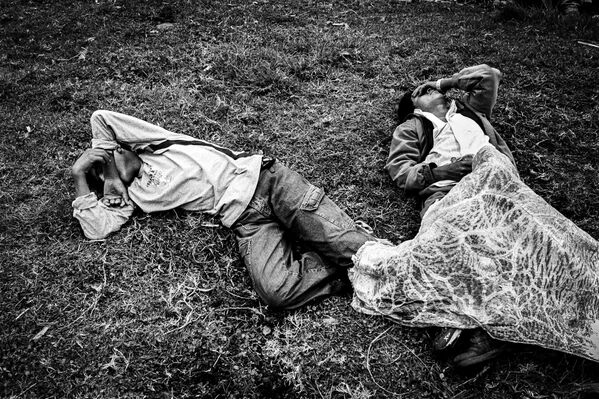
(448,340)
(471,361)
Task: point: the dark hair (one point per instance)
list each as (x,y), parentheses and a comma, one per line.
(94,181)
(405,107)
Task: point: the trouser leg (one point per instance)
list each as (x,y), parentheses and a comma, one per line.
(281,277)
(431,200)
(313,218)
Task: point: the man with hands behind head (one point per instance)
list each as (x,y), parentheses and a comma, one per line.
(269,207)
(432,150)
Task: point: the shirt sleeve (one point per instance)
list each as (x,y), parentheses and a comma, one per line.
(480,84)
(112,129)
(98,220)
(403,162)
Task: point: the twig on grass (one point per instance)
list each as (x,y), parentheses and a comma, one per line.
(242,308)
(476,377)
(318,389)
(378,338)
(22,313)
(245,298)
(214,364)
(588,44)
(92,307)
(21,394)
(187,322)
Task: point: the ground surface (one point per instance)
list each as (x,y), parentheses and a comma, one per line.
(164,308)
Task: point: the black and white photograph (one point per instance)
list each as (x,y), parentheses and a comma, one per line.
(321,199)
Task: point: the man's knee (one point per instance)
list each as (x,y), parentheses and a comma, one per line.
(278,291)
(275,299)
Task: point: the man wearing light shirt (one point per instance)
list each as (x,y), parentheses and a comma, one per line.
(433,146)
(432,150)
(133,163)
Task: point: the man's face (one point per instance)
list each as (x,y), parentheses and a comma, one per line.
(428,100)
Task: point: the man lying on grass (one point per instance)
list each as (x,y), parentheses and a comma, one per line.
(490,255)
(432,150)
(135,163)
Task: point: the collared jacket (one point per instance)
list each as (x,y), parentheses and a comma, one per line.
(413,139)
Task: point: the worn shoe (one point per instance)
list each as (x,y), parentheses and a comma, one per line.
(482,348)
(446,338)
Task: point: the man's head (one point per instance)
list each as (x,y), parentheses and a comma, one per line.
(424,97)
(127,164)
(405,106)
(95,179)
(428,98)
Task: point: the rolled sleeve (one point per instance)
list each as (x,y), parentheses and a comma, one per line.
(98,220)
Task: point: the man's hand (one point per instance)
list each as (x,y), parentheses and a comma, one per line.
(424,88)
(455,170)
(115,193)
(89,157)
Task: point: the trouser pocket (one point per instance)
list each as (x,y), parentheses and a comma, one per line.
(317,203)
(312,198)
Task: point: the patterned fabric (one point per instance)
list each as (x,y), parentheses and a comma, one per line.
(491,254)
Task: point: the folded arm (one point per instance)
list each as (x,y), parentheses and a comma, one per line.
(112,129)
(480,84)
(404,164)
(98,218)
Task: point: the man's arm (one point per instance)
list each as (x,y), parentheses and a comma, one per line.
(97,219)
(115,192)
(111,129)
(480,83)
(403,162)
(411,175)
(82,166)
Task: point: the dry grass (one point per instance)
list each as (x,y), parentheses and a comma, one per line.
(164,308)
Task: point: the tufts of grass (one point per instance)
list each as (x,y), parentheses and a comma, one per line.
(164,308)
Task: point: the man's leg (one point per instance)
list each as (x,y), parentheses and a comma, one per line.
(434,197)
(313,218)
(447,337)
(281,277)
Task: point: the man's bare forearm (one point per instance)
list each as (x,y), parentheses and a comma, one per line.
(81,186)
(109,168)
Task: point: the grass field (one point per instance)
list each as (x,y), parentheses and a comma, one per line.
(164,308)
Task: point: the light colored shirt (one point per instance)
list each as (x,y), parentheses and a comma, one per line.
(177,171)
(457,137)
(196,178)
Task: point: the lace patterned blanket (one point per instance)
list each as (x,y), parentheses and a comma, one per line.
(491,254)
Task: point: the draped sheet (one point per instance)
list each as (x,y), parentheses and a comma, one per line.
(491,254)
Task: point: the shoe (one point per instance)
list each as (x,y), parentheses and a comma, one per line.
(570,13)
(446,338)
(482,348)
(571,9)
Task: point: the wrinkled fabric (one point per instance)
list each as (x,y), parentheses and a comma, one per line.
(490,254)
(287,210)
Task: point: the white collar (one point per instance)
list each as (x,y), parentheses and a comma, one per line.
(438,123)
